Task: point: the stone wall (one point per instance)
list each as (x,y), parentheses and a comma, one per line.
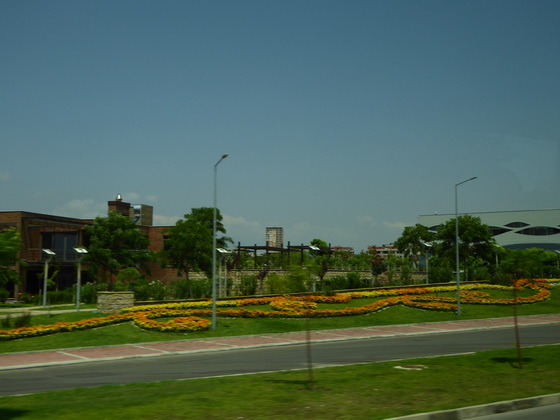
(113,302)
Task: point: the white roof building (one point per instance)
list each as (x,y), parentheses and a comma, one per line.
(513,229)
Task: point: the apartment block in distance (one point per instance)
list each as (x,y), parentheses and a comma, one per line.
(275,237)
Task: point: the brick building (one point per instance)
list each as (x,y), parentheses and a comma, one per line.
(61,234)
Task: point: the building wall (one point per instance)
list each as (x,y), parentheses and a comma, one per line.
(275,237)
(514,229)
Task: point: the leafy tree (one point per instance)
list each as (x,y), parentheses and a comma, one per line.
(10,243)
(116,242)
(189,244)
(413,240)
(476,244)
(321,260)
(378,264)
(529,263)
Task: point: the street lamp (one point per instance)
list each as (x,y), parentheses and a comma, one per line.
(80,253)
(214,241)
(428,247)
(222,285)
(457,274)
(50,254)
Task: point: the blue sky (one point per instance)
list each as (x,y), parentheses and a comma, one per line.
(344,120)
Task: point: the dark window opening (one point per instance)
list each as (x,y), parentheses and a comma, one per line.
(517,224)
(498,230)
(62,243)
(539,231)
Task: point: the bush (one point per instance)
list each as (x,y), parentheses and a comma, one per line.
(6,323)
(140,289)
(88,293)
(23,320)
(248,286)
(441,275)
(4,294)
(191,289)
(355,281)
(337,283)
(278,284)
(61,296)
(156,290)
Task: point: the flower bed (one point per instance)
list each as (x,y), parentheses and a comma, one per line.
(186,316)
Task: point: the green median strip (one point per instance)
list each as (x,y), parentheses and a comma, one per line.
(369,391)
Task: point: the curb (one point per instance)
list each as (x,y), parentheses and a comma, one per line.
(485,409)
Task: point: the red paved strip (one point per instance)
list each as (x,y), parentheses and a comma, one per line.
(104,352)
(24,359)
(184,346)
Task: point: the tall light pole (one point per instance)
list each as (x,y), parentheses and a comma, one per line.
(457,273)
(80,253)
(214,227)
(427,246)
(50,254)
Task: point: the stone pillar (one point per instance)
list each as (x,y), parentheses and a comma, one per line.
(113,302)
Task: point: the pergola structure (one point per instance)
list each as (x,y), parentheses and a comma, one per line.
(289,250)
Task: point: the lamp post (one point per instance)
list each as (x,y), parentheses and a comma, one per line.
(457,273)
(80,253)
(214,224)
(50,254)
(222,278)
(428,247)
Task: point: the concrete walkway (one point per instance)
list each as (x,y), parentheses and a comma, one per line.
(39,310)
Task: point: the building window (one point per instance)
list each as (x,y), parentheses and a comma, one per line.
(498,230)
(517,224)
(62,243)
(539,231)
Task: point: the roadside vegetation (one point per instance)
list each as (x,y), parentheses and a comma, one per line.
(128,332)
(363,392)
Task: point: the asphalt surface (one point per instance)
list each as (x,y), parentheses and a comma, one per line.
(23,360)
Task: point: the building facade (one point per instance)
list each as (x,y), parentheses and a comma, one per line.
(275,237)
(513,229)
(61,235)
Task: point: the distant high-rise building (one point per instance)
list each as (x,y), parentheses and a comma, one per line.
(275,237)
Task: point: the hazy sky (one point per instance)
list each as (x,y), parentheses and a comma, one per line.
(344,120)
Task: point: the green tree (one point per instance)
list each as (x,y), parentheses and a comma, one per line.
(476,244)
(321,260)
(413,240)
(116,242)
(531,263)
(188,246)
(10,243)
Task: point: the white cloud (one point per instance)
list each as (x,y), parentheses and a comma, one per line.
(151,198)
(131,197)
(367,220)
(82,209)
(239,221)
(396,225)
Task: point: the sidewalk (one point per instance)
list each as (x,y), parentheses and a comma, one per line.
(90,354)
(39,310)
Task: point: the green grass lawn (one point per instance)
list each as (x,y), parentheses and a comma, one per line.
(369,391)
(129,333)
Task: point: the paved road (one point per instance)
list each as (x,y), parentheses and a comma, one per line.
(547,412)
(32,372)
(127,364)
